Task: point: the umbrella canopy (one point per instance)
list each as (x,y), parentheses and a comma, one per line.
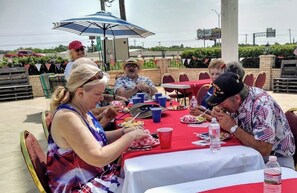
(102,24)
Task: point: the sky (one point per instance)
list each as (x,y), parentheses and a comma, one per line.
(29,23)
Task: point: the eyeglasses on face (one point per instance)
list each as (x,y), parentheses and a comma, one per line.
(97,76)
(80,49)
(131,66)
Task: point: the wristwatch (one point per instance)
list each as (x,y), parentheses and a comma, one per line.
(233,129)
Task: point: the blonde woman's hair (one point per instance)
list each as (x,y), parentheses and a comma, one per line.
(80,77)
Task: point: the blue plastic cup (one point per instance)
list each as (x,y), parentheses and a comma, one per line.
(156,112)
(136,100)
(162,101)
(141,96)
(157,95)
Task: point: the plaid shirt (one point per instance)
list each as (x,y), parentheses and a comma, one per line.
(263,118)
(129,83)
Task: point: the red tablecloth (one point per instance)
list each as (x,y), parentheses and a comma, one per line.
(194,84)
(288,186)
(182,136)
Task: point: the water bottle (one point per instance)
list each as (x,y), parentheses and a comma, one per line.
(214,134)
(193,102)
(272,176)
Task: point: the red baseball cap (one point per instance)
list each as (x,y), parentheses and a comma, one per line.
(74,45)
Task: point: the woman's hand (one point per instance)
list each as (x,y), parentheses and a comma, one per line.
(109,113)
(136,133)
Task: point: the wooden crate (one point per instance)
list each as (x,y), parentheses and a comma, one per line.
(285,85)
(14,84)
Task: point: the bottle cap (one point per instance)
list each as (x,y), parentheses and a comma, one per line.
(272,158)
(213,119)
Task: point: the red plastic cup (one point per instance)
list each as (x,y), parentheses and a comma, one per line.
(165,136)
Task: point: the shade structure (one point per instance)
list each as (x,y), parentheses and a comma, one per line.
(102,24)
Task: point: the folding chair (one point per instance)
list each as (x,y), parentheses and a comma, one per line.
(203,75)
(168,78)
(182,77)
(35,160)
(248,79)
(202,92)
(260,80)
(291,116)
(46,121)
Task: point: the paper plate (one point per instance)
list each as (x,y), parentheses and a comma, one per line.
(224,136)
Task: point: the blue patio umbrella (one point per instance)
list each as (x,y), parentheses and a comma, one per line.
(102,24)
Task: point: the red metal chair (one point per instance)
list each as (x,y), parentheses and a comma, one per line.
(260,80)
(35,160)
(249,79)
(182,77)
(168,78)
(292,119)
(202,92)
(203,75)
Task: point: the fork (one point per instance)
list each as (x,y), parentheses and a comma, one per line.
(203,113)
(134,117)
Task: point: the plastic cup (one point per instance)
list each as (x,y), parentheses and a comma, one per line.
(165,137)
(162,101)
(156,113)
(141,95)
(157,95)
(136,100)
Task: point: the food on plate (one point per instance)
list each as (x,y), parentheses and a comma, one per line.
(191,119)
(118,104)
(223,136)
(148,141)
(176,107)
(200,119)
(188,119)
(132,124)
(126,110)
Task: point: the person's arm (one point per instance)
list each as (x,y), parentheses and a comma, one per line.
(126,93)
(226,122)
(200,110)
(70,131)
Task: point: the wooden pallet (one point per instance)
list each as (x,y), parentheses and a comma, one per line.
(14,84)
(285,85)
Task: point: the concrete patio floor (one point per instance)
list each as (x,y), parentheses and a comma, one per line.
(26,114)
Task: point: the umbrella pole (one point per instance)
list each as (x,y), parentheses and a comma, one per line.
(106,65)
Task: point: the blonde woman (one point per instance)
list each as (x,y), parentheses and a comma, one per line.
(80,153)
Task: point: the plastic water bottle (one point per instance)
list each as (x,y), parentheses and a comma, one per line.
(193,102)
(214,134)
(272,176)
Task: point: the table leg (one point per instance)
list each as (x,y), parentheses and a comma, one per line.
(185,101)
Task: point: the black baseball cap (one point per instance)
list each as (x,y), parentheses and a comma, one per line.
(225,86)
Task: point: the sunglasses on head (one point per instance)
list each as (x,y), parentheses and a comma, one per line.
(97,76)
(80,49)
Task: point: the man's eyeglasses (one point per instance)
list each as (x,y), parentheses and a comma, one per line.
(131,66)
(80,49)
(97,76)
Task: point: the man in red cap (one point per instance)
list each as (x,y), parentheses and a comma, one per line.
(76,50)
